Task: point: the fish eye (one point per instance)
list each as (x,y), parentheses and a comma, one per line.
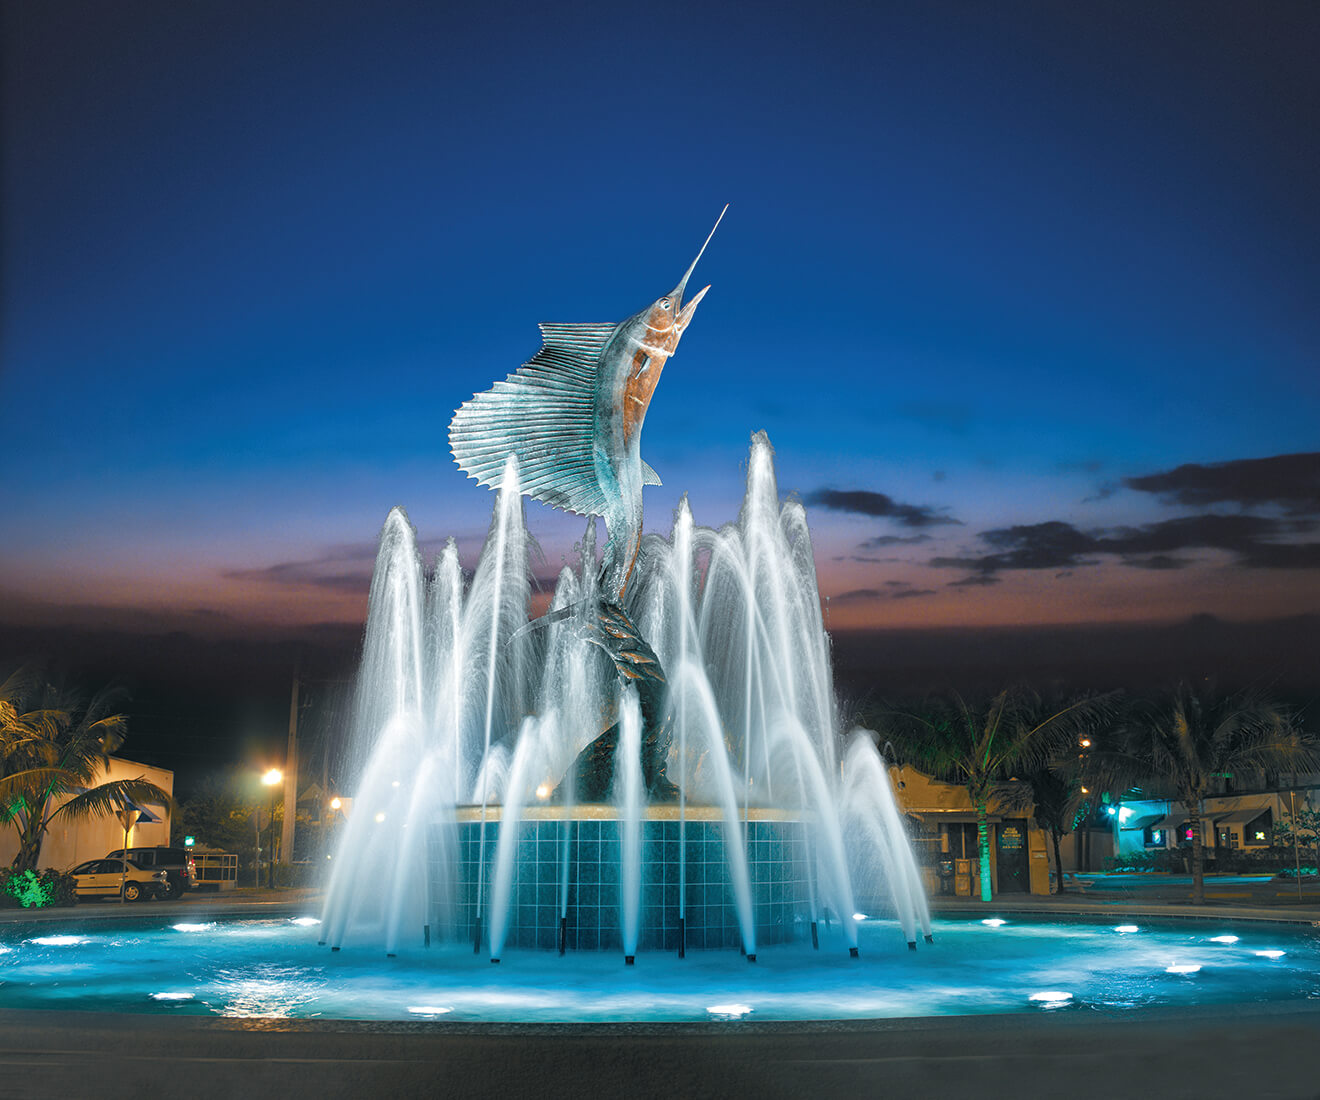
(664,303)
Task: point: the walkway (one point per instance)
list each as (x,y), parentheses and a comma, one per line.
(1269,1052)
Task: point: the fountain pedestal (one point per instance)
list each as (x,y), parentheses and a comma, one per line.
(779,851)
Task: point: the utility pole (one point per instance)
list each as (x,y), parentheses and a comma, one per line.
(290,780)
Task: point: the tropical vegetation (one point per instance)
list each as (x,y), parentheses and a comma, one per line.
(1189,739)
(55,744)
(991,745)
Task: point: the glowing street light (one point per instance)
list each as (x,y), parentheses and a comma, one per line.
(272,779)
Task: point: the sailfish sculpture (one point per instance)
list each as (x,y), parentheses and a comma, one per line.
(573,415)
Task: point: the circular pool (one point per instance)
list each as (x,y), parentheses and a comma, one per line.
(274,968)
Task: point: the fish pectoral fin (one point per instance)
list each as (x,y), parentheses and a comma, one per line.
(649,476)
(544,413)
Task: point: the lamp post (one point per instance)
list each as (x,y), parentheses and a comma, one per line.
(129,818)
(271,779)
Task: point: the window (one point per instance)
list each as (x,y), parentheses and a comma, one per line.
(1257,833)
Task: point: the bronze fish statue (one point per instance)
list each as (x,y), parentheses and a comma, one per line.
(573,414)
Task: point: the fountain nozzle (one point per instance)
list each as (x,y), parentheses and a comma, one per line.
(628,960)
(930,938)
(852,951)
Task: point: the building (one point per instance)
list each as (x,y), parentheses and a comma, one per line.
(69,842)
(944,840)
(1229,823)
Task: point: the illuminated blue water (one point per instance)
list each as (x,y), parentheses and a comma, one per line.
(274,968)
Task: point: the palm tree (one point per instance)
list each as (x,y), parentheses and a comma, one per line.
(53,742)
(985,746)
(1060,802)
(1189,737)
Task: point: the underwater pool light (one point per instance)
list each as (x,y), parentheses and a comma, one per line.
(729,1011)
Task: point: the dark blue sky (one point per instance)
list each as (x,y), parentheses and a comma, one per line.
(991,277)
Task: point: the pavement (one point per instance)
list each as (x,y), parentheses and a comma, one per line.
(247,902)
(1264,1051)
(1227,897)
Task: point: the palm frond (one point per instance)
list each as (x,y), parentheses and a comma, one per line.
(36,785)
(110,798)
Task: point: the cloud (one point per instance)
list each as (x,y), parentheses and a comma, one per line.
(858,595)
(910,593)
(1288,481)
(863,502)
(881,541)
(343,568)
(328,572)
(1254,540)
(1052,545)
(893,590)
(1158,561)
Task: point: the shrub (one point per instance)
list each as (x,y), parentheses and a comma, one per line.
(35,889)
(1153,859)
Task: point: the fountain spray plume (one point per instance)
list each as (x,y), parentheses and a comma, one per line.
(499,596)
(880,854)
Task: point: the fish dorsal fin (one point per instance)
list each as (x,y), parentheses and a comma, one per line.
(649,476)
(545,414)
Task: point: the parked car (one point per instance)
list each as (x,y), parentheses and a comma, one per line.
(107,878)
(177,863)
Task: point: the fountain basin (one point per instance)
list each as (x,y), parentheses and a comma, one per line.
(569,869)
(274,969)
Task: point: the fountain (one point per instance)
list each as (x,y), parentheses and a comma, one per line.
(652,764)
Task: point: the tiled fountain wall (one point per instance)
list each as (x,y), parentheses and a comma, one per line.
(779,854)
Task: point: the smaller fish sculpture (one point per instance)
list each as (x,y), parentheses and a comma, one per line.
(573,415)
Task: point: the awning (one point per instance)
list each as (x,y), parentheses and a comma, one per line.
(1241,817)
(1140,821)
(1171,823)
(952,817)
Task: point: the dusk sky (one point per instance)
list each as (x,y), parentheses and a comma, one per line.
(1024,294)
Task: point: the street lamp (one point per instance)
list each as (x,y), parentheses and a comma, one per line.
(272,779)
